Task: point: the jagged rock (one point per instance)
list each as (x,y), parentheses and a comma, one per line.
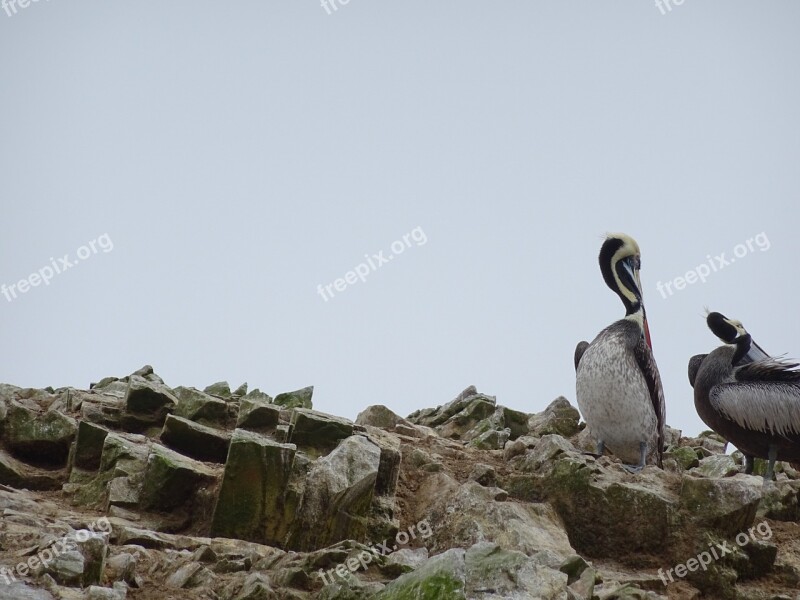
(200,406)
(221,389)
(297,399)
(510,574)
(379,416)
(593,501)
(317,433)
(89,443)
(485,475)
(560,417)
(118,592)
(462,515)
(473,410)
(20,475)
(728,505)
(251,501)
(780,501)
(240,391)
(256,414)
(405,560)
(17,590)
(491,440)
(42,439)
(718,465)
(338,493)
(78,560)
(442,576)
(686,458)
(147,404)
(122,567)
(171,479)
(195,440)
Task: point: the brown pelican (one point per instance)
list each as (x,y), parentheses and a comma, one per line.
(727,330)
(617,382)
(748,397)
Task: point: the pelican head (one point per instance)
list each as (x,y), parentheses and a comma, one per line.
(727,330)
(732,332)
(620,261)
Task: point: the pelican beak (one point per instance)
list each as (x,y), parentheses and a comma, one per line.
(646,328)
(755,353)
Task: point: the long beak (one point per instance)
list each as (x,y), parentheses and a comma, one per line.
(755,353)
(646,331)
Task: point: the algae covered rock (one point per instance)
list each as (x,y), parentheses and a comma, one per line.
(297,399)
(338,494)
(250,504)
(560,418)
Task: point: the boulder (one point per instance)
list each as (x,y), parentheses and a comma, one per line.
(297,399)
(251,500)
(338,493)
(195,440)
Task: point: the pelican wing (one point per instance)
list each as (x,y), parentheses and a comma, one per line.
(647,364)
(694,366)
(768,369)
(769,407)
(579,350)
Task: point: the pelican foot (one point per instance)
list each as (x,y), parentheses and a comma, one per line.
(642,459)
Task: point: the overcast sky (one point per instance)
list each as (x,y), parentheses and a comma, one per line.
(229,158)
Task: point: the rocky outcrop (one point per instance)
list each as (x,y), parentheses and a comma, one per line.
(135,488)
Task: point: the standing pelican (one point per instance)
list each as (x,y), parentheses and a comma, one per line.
(618,386)
(728,330)
(748,397)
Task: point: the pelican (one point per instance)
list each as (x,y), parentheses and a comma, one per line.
(748,397)
(727,330)
(617,381)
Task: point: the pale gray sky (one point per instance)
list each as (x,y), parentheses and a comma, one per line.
(240,154)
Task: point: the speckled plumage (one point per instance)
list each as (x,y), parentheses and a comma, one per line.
(614,394)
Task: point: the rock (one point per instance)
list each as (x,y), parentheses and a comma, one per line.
(17,590)
(78,559)
(473,410)
(510,574)
(317,433)
(195,440)
(42,439)
(685,457)
(379,416)
(200,406)
(485,475)
(172,479)
(95,592)
(251,501)
(491,440)
(221,389)
(89,445)
(338,493)
(257,414)
(727,505)
(147,404)
(240,391)
(405,560)
(462,515)
(718,465)
(23,476)
(441,577)
(122,567)
(297,399)
(560,418)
